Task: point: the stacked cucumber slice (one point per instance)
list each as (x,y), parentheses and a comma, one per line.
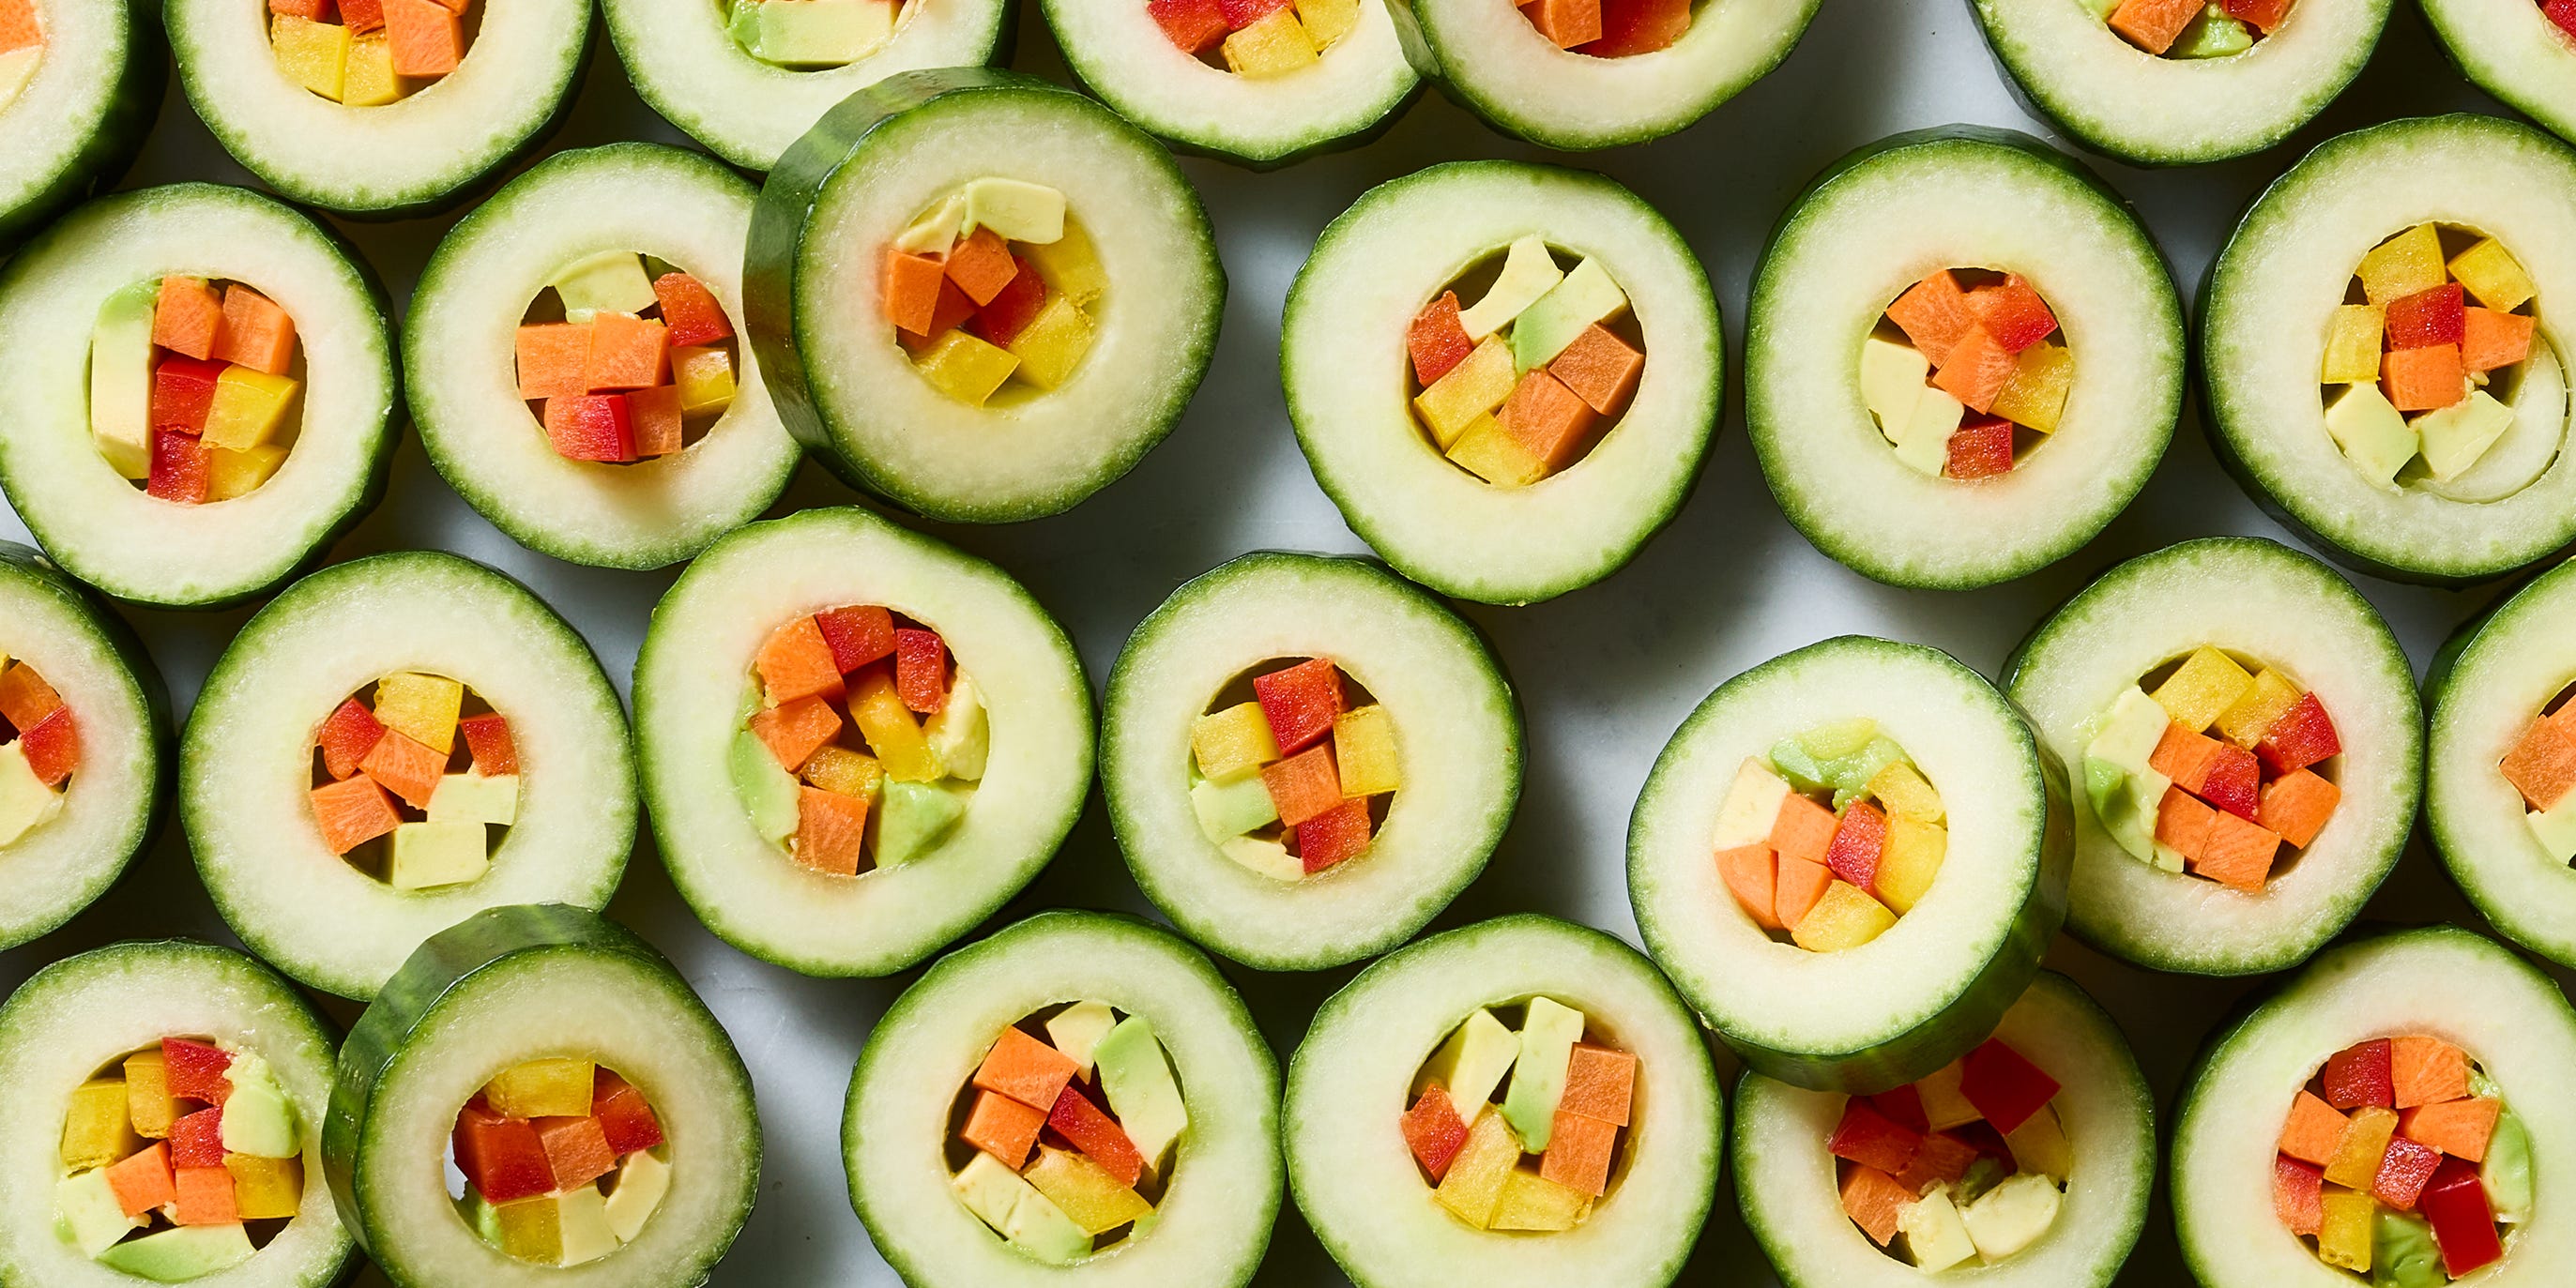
(75,105)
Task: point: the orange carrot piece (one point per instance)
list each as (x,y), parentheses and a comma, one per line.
(982,265)
(552,356)
(2154,25)
(1026,1070)
(405,767)
(691,311)
(657,420)
(1600,368)
(1303,785)
(424,36)
(1753,874)
(2185,757)
(1873,1200)
(1977,369)
(2238,853)
(1578,1153)
(2427,1071)
(794,731)
(2494,339)
(256,332)
(187,316)
(25,698)
(2183,822)
(18,26)
(2425,379)
(795,662)
(1802,830)
(912,285)
(2296,806)
(352,812)
(2314,1129)
(1800,884)
(626,352)
(142,1181)
(830,829)
(204,1196)
(1003,1128)
(2543,765)
(1934,314)
(2459,1128)
(1566,23)
(1547,419)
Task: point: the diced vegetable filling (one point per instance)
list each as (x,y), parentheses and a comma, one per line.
(194,387)
(1609,28)
(623,358)
(2561,12)
(564,1161)
(22,47)
(1832,838)
(1519,385)
(1966,373)
(2541,766)
(1260,38)
(863,744)
(815,35)
(2212,766)
(1066,1135)
(2401,1163)
(368,53)
(1294,779)
(2195,28)
(419,787)
(180,1160)
(995,287)
(1966,1167)
(39,750)
(1490,1097)
(2436,324)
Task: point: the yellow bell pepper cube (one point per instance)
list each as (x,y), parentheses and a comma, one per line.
(2409,262)
(839,769)
(1328,20)
(1473,1186)
(2343,1238)
(1274,46)
(231,474)
(1904,792)
(1843,918)
(1473,388)
(148,1102)
(892,734)
(96,1129)
(1085,1191)
(2364,1144)
(1069,265)
(2250,717)
(1235,739)
(1488,451)
(311,54)
(964,367)
(249,406)
(421,707)
(2352,345)
(531,1229)
(1364,752)
(2493,276)
(2202,689)
(1533,1202)
(1052,344)
(1910,861)
(555,1087)
(265,1189)
(2035,397)
(705,377)
(367,78)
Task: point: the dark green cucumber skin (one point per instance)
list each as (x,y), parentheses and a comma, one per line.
(101,161)
(2555,118)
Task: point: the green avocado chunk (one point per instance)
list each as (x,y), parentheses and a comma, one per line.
(181,1253)
(2403,1254)
(916,817)
(767,790)
(1137,1078)
(2506,1173)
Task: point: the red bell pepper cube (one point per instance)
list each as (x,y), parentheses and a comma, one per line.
(1097,1135)
(183,391)
(1639,27)
(857,636)
(2562,12)
(2003,1086)
(1872,1139)
(1193,26)
(1300,702)
(1904,1105)
(2404,1171)
(2463,1223)
(690,310)
(487,740)
(1437,339)
(2263,16)
(2361,1074)
(590,427)
(503,1158)
(347,736)
(1240,14)
(1434,1132)
(2298,1193)
(920,669)
(404,766)
(308,10)
(2012,313)
(181,468)
(623,1115)
(577,1150)
(2302,736)
(2428,317)
(1859,839)
(362,16)
(2234,782)
(1006,315)
(1981,449)
(1334,837)
(197,1140)
(52,747)
(195,1070)
(1940,1158)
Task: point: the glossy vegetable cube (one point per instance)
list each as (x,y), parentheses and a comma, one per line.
(502,1157)
(2366,1134)
(311,54)
(1981,448)
(794,662)
(551,357)
(1875,1202)
(422,707)
(1803,829)
(623,1114)
(248,406)
(2424,379)
(1533,1202)
(2237,852)
(352,812)
(921,669)
(1083,1191)
(704,378)
(831,830)
(424,37)
(149,1104)
(2428,317)
(1599,368)
(1334,837)
(231,474)
(1026,1070)
(1474,1183)
(1976,370)
(1631,27)
(2490,340)
(1193,26)
(1910,862)
(2404,1170)
(2246,720)
(2374,436)
(1436,341)
(1843,918)
(690,310)
(1053,343)
(1274,46)
(180,469)
(183,393)
(1798,885)
(964,367)
(1860,837)
(2005,1087)
(142,1181)
(2202,689)
(2409,262)
(857,635)
(890,730)
(1304,785)
(1489,451)
(626,352)
(590,427)
(52,747)
(2463,1221)
(96,1131)
(656,420)
(2460,1128)
(1006,315)
(1467,392)
(1300,702)
(1547,420)
(554,1087)
(1934,314)
(1234,739)
(2013,313)
(2154,25)
(839,769)
(2300,737)
(367,76)
(2426,1070)
(203,1196)
(443,853)
(2344,1229)
(2353,344)
(1751,873)
(256,333)
(794,731)
(2296,1189)
(187,316)
(1097,1135)
(2493,276)
(2361,1074)
(405,767)
(1364,751)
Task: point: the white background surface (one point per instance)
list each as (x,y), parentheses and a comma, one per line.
(1605,673)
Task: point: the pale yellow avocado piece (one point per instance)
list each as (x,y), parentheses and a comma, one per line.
(1275,45)
(936,231)
(429,855)
(2555,829)
(1936,1237)
(1944,1105)
(1925,445)
(17,67)
(1892,376)
(86,1211)
(25,801)
(2040,1145)
(1473,1061)
(2455,437)
(1270,858)
(1077,1030)
(2352,344)
(475,798)
(1549,1030)
(1752,804)
(1529,271)
(643,1180)
(611,281)
(2012,1215)
(989,1190)
(120,374)
(2199,691)
(1017,210)
(957,732)
(2128,738)
(583,1226)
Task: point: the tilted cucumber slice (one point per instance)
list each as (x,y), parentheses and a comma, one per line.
(83,114)
(94,522)
(87,1012)
(695,669)
(1917,997)
(1353,1075)
(458,355)
(1342,361)
(2514,52)
(2497,673)
(246,761)
(506,986)
(1222,1188)
(1786,1179)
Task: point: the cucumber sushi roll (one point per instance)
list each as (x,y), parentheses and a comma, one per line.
(599,1118)
(2381,1120)
(1425,1083)
(978,295)
(1263,82)
(2379,370)
(379,109)
(1527,443)
(2027,1162)
(1850,859)
(1582,74)
(2205,691)
(745,77)
(2178,82)
(164,1125)
(205,392)
(574,362)
(79,86)
(2521,51)
(1972,424)
(1306,759)
(84,746)
(1159,1099)
(390,746)
(858,741)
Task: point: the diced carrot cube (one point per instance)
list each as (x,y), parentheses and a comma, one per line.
(487,740)
(1300,702)
(256,332)
(52,746)
(1600,1083)
(2013,313)
(1193,26)
(1600,368)
(577,1150)
(362,16)
(2425,379)
(794,731)
(830,830)
(2238,853)
(1934,314)
(912,291)
(2459,1128)
(1752,873)
(25,698)
(857,635)
(2427,317)
(795,662)
(2183,822)
(1334,837)
(1982,448)
(1578,1153)
(590,427)
(1860,837)
(502,1157)
(920,669)
(2296,806)
(690,310)
(2542,766)
(1304,785)
(181,468)
(2490,339)
(552,358)
(1432,1128)
(1003,1128)
(1803,830)
(658,423)
(982,265)
(1437,340)
(2263,16)
(1801,882)
(1002,319)
(2297,1190)
(347,736)
(203,1196)
(187,316)
(1873,1200)
(425,37)
(2154,25)
(2427,1070)
(183,392)
(1547,420)
(626,352)
(1977,369)
(1026,1070)
(142,1180)
(1566,23)
(2185,757)
(405,767)
(1941,1157)
(19,28)
(352,812)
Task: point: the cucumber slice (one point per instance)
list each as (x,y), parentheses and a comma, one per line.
(2266,601)
(412,157)
(1357,88)
(2119,100)
(2286,268)
(83,113)
(849,392)
(688,67)
(457,351)
(1860,236)
(509,985)
(2442,980)
(2514,52)
(1918,996)
(1342,360)
(692,677)
(1354,1073)
(1494,63)
(90,519)
(1222,1191)
(90,1011)
(1458,735)
(2497,673)
(246,761)
(1785,1178)
(113,803)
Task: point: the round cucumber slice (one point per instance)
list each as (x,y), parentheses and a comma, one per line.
(688,67)
(506,986)
(693,679)
(1222,1190)
(2286,269)
(1495,63)
(814,289)
(246,761)
(2266,601)
(2120,100)
(1866,1018)
(1342,360)
(1351,91)
(2514,52)
(1458,744)
(1859,238)
(80,114)
(1354,1073)
(2438,980)
(88,1012)
(112,803)
(103,529)
(420,154)
(1785,1178)
(457,351)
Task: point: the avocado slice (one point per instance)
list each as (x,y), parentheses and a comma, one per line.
(2213,34)
(958,732)
(767,790)
(1137,1078)
(2007,1218)
(87,1213)
(1936,1236)
(1472,1063)
(1585,296)
(432,854)
(257,1119)
(1077,1030)
(1529,271)
(2506,1173)
(1548,1034)
(25,801)
(120,379)
(2403,1254)
(1016,209)
(1231,806)
(915,817)
(611,281)
(181,1253)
